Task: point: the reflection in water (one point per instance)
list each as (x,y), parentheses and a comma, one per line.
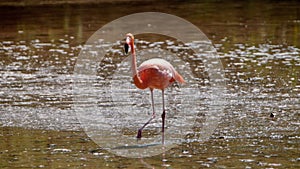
(259,48)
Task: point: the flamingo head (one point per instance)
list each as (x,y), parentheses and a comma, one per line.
(128,42)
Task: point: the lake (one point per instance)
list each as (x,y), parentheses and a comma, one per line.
(41,90)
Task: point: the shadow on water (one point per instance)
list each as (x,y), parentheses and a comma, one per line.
(259,49)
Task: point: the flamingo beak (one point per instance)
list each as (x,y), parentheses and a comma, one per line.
(127,42)
(126,47)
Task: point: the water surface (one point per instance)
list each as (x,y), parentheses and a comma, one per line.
(259,49)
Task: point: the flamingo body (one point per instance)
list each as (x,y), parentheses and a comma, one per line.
(156,74)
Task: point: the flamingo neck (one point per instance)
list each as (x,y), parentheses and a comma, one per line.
(137,80)
(133,61)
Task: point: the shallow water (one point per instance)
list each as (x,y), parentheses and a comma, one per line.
(258,47)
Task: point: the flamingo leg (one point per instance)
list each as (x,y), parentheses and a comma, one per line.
(163,115)
(139,135)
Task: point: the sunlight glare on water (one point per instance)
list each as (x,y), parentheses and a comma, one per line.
(259,51)
(117,109)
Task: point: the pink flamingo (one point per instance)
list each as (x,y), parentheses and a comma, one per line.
(153,74)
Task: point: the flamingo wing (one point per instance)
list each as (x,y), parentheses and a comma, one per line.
(160,65)
(158,73)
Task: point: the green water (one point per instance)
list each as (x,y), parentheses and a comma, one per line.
(259,46)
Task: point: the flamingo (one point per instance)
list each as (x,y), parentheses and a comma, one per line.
(153,74)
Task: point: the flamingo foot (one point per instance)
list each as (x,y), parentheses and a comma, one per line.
(139,135)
